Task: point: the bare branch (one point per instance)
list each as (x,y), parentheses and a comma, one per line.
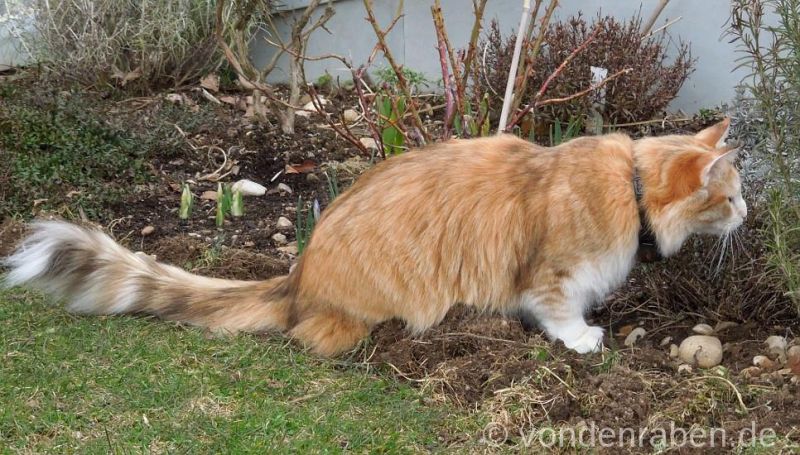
(398,70)
(521,114)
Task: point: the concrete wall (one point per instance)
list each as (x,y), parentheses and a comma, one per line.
(413,39)
(11,51)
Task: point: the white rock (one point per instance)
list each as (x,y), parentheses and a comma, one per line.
(634,336)
(673,351)
(284,188)
(776,343)
(665,341)
(279,238)
(369,143)
(147,230)
(703,329)
(284,223)
(289,249)
(310,106)
(249,188)
(350,115)
(684,368)
(701,350)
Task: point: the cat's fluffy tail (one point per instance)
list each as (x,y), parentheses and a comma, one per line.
(95,275)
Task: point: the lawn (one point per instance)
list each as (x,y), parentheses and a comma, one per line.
(126,384)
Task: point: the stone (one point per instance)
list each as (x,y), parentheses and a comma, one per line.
(701,350)
(634,336)
(249,188)
(284,223)
(703,329)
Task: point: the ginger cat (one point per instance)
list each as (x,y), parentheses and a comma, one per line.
(498,223)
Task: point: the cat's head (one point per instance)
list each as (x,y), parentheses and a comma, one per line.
(691,185)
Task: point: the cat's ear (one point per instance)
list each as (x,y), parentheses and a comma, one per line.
(713,168)
(715,135)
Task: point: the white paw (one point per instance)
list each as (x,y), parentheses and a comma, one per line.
(591,340)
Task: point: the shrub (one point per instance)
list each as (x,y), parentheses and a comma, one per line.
(769,116)
(639,95)
(125,42)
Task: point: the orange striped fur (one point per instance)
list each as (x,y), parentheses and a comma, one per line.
(497,223)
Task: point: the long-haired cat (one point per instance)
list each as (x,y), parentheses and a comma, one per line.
(497,223)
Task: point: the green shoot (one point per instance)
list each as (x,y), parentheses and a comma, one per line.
(237,205)
(304,225)
(333,184)
(187,201)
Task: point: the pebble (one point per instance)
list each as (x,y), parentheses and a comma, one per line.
(350,115)
(249,188)
(289,249)
(763,362)
(312,178)
(634,336)
(284,223)
(665,341)
(673,351)
(279,238)
(684,368)
(701,350)
(703,329)
(284,188)
(369,143)
(147,230)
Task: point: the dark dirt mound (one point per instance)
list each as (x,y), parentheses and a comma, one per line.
(11,232)
(223,262)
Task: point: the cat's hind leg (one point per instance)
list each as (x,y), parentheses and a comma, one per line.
(561,319)
(329,331)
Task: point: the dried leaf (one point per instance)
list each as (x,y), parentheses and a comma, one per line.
(210,82)
(209,196)
(625,330)
(303,168)
(793,359)
(124,78)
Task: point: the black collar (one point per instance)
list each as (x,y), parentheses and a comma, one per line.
(648,244)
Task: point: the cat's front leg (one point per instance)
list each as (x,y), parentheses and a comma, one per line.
(563,320)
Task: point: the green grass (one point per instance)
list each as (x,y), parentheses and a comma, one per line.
(127,384)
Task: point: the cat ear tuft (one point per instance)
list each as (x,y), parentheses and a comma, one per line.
(715,135)
(713,168)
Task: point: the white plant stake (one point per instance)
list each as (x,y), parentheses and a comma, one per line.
(512,73)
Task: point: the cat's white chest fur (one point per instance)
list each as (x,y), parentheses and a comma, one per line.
(561,314)
(591,281)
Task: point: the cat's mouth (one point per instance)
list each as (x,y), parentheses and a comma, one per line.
(732,225)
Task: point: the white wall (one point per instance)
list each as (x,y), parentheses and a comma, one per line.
(11,51)
(413,41)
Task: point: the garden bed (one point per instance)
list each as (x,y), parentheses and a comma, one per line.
(479,362)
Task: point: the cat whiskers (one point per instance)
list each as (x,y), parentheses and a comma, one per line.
(725,243)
